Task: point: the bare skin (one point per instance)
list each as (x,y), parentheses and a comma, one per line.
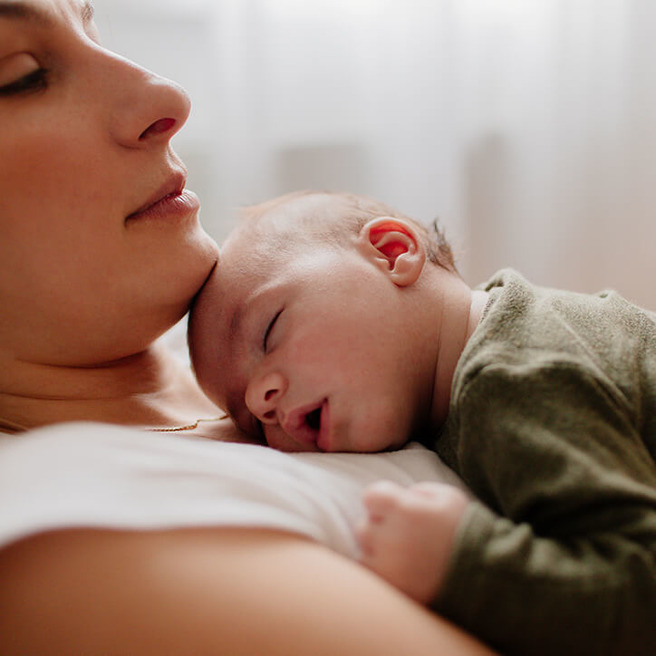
(94,267)
(409,534)
(107,256)
(229,592)
(332,346)
(300,339)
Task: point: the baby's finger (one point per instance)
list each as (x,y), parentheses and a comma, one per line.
(380,498)
(365,540)
(429,489)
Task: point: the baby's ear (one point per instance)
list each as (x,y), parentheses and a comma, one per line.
(394,245)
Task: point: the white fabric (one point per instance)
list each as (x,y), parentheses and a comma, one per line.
(97,475)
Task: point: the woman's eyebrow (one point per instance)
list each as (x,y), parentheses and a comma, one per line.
(23,11)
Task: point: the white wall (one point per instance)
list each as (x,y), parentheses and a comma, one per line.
(528,126)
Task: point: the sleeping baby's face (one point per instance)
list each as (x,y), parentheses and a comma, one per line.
(301,344)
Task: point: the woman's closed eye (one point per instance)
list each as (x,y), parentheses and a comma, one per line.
(30,83)
(268,332)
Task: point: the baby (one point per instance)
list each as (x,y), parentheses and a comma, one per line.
(335,323)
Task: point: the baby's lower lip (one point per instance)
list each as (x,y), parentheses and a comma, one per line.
(298,427)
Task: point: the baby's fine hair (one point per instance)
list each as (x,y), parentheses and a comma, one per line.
(358,210)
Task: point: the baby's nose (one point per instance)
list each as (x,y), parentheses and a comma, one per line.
(263,395)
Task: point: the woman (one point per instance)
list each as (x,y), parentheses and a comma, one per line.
(101,253)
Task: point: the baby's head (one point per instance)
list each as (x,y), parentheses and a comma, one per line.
(330,219)
(313,332)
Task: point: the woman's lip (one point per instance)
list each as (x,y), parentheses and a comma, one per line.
(172,189)
(171,206)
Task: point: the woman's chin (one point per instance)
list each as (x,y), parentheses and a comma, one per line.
(186,273)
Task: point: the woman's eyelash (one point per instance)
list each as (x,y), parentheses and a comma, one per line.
(34,81)
(269,329)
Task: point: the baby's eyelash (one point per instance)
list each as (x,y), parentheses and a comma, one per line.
(34,81)
(267,332)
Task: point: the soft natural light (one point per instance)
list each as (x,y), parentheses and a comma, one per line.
(526,125)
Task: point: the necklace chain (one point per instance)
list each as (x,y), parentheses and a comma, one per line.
(192,426)
(11,427)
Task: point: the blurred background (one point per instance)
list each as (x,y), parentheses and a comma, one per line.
(527,126)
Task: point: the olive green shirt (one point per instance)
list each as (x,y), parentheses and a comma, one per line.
(552,424)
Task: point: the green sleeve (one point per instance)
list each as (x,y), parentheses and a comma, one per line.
(561,556)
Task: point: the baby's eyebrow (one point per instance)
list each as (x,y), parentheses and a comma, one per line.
(236,320)
(87,12)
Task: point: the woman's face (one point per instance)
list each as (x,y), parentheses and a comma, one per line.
(87,275)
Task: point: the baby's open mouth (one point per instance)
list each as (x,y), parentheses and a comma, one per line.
(303,425)
(313,419)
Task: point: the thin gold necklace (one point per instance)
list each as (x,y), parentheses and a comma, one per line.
(10,427)
(193,426)
(7,426)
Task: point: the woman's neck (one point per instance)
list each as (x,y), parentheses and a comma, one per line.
(150,389)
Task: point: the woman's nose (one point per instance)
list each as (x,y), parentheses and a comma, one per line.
(148,109)
(263,394)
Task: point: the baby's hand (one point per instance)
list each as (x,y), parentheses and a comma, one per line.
(408,535)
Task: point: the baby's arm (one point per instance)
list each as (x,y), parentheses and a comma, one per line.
(408,534)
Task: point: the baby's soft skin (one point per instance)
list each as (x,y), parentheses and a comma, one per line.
(409,534)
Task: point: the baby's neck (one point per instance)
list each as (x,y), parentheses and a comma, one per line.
(146,389)
(462,309)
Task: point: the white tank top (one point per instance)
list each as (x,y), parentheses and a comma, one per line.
(96,475)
